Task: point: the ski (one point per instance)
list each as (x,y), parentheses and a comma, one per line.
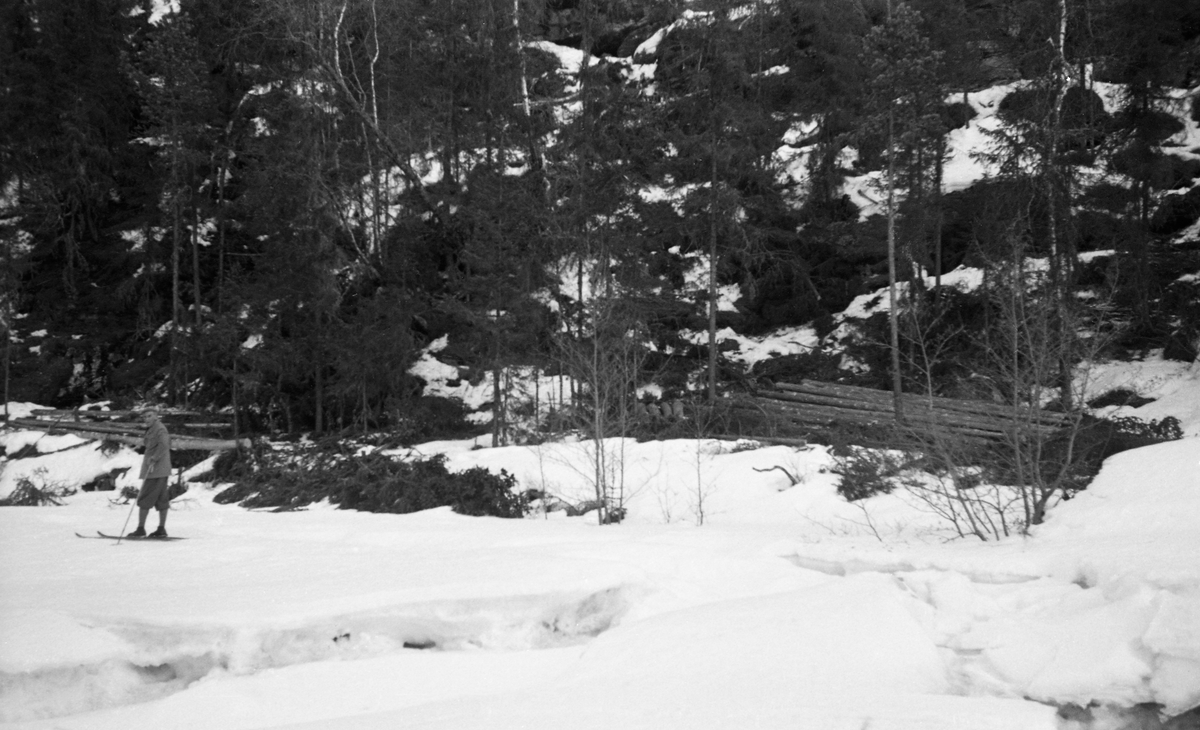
(102,536)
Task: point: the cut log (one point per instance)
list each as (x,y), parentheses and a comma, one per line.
(118,428)
(111,432)
(935,402)
(851,392)
(916,414)
(84,413)
(921,425)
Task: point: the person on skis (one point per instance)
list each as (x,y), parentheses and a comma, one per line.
(156,469)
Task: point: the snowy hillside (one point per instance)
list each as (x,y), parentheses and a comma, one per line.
(352,223)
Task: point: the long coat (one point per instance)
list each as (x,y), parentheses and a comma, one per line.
(157,460)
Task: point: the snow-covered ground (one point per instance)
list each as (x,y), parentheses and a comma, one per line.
(786,608)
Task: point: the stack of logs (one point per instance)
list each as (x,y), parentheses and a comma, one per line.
(187,433)
(811,404)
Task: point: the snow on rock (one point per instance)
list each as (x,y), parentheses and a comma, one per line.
(963,278)
(63,461)
(570,59)
(446,380)
(1174,386)
(963,167)
(788,341)
(751,349)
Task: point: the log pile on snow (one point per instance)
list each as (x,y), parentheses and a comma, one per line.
(810,404)
(190,430)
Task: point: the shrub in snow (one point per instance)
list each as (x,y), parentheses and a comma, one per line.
(31,493)
(373,483)
(1077,456)
(866,472)
(381,484)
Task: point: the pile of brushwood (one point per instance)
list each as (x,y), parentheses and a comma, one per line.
(292,478)
(37,491)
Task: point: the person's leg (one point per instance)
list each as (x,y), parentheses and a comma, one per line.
(145,500)
(162,505)
(141,528)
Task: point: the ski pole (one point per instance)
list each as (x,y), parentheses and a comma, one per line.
(124,526)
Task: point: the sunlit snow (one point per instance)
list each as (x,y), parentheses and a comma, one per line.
(782,610)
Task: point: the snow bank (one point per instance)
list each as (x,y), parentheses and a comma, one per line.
(1100,604)
(1129,522)
(788,608)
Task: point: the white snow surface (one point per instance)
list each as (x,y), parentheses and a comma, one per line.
(782,610)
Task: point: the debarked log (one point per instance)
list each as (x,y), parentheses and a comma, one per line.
(852,392)
(914,412)
(179,442)
(926,424)
(77,413)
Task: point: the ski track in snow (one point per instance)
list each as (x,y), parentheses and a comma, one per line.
(160,660)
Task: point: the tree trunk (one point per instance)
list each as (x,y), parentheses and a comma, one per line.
(712,270)
(7,360)
(1060,265)
(940,213)
(535,155)
(497,406)
(176,304)
(318,382)
(196,266)
(893,303)
(233,389)
(221,172)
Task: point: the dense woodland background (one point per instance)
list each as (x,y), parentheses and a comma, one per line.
(273,206)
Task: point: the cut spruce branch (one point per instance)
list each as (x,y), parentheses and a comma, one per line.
(128,435)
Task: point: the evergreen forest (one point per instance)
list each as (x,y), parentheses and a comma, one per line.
(273,208)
